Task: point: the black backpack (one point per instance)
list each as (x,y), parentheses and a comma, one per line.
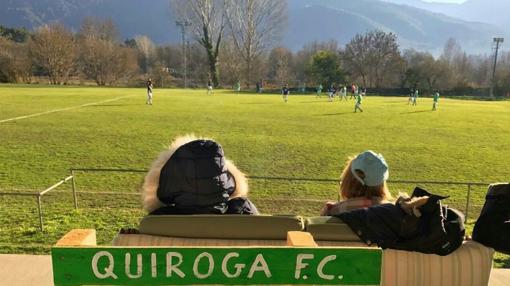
(492,228)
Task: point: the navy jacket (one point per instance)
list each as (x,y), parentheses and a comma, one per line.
(195,180)
(493,226)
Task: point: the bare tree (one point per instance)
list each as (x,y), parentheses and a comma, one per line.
(146,48)
(197,66)
(385,56)
(53,48)
(357,56)
(102,29)
(15,63)
(425,72)
(279,62)
(458,64)
(170,56)
(207,19)
(254,27)
(480,75)
(230,63)
(372,56)
(451,50)
(102,59)
(503,75)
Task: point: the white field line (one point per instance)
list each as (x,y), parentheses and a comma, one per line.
(63,109)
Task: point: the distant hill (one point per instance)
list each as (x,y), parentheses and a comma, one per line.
(487,11)
(416,28)
(132,17)
(309,20)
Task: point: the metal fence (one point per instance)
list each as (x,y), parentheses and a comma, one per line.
(74,190)
(468,185)
(39,196)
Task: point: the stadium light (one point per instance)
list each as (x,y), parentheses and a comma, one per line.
(183,24)
(497,42)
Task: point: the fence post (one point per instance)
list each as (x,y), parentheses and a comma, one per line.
(39,208)
(75,198)
(468,199)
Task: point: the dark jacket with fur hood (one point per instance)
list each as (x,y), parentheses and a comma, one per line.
(194,177)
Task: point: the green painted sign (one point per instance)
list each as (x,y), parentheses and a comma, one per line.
(223,266)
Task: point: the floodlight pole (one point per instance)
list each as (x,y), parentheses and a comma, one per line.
(183,24)
(497,41)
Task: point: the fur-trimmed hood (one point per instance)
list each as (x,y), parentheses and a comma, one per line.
(151,182)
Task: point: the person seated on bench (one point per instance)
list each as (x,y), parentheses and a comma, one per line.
(363,184)
(194,177)
(492,228)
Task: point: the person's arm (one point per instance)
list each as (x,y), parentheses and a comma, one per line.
(331,208)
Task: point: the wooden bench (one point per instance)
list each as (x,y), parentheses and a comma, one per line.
(227,250)
(77,260)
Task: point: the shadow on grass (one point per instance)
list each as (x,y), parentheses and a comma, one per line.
(109,105)
(257,103)
(395,101)
(316,101)
(334,114)
(418,111)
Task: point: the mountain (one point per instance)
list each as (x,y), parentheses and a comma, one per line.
(309,20)
(487,11)
(415,28)
(132,17)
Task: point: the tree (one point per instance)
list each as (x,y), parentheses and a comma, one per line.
(457,62)
(101,29)
(279,62)
(451,50)
(15,63)
(101,57)
(53,48)
(481,70)
(169,56)
(502,76)
(425,72)
(304,56)
(254,26)
(230,63)
(357,57)
(146,48)
(18,35)
(325,68)
(197,66)
(207,19)
(372,57)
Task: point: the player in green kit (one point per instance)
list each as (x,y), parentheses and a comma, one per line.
(319,90)
(238,86)
(359,100)
(435,100)
(411,96)
(343,93)
(415,97)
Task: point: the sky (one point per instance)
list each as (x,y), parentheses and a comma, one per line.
(447,1)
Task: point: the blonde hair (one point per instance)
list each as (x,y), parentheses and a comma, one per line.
(350,187)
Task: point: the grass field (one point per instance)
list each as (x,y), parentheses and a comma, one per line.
(75,127)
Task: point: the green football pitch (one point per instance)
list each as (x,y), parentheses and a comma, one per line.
(45,131)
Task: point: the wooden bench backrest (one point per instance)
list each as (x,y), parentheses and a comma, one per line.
(77,261)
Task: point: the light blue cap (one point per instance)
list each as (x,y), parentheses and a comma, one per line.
(373,166)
